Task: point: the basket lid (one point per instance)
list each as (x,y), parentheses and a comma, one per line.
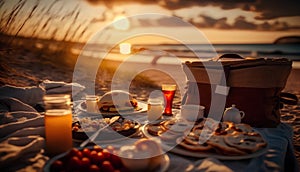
(234,61)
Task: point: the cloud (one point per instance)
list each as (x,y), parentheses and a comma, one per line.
(275,8)
(241,23)
(203,21)
(265,9)
(170,21)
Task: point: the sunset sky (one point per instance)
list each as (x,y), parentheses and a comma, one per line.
(249,21)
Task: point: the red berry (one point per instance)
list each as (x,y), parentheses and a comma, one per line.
(94,168)
(74,163)
(98,159)
(85,162)
(107,167)
(86,152)
(97,148)
(73,152)
(79,154)
(57,166)
(106,154)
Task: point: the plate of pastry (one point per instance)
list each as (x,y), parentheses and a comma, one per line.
(208,138)
(116,102)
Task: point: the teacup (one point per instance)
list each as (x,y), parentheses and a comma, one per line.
(191,112)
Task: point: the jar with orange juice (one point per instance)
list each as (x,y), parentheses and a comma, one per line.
(58,123)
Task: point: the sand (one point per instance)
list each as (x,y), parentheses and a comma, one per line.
(21,67)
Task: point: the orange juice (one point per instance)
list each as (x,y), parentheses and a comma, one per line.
(58,130)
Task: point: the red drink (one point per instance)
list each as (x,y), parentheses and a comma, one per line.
(169,92)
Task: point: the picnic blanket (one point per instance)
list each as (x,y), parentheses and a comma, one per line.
(22,141)
(22,137)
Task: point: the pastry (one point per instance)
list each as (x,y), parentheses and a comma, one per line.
(117,101)
(246,142)
(219,143)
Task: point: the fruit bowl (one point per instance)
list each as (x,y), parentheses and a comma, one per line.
(91,159)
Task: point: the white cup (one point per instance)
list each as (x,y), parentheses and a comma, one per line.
(192,112)
(155,109)
(92,103)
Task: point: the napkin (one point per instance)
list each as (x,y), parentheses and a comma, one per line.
(23,120)
(28,95)
(21,131)
(23,143)
(33,95)
(9,104)
(15,148)
(59,87)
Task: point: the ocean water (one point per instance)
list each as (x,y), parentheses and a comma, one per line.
(290,51)
(167,53)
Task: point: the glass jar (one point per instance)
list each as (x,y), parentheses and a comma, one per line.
(58,123)
(92,103)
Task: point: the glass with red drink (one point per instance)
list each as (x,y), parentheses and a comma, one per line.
(169,92)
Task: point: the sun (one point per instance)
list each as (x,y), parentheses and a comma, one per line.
(121,23)
(125,48)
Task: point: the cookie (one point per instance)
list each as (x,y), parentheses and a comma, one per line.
(155,130)
(246,142)
(219,143)
(193,147)
(224,128)
(244,128)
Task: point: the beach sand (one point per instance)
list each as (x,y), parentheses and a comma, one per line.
(27,68)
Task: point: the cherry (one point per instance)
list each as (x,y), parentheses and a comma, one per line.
(74,163)
(106,154)
(57,166)
(94,168)
(107,167)
(86,152)
(85,163)
(98,148)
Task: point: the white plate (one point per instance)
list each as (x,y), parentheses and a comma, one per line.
(141,105)
(185,152)
(118,136)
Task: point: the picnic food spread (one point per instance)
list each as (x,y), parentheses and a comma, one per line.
(224,138)
(88,125)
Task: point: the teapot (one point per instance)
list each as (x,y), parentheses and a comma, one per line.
(233,114)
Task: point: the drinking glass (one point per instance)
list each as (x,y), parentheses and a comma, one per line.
(169,92)
(155,109)
(58,124)
(92,103)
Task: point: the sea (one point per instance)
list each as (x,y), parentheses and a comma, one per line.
(192,52)
(290,51)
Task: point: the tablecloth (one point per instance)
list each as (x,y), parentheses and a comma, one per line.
(22,145)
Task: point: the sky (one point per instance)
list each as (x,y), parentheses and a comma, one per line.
(244,21)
